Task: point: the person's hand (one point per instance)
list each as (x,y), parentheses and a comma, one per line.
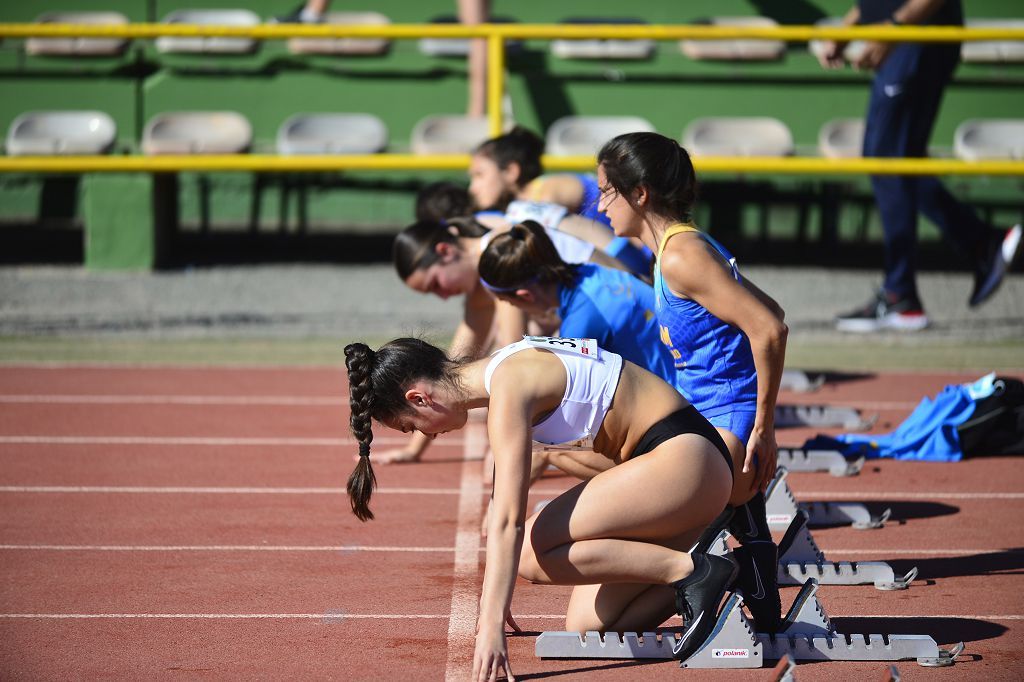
(831,54)
(872,55)
(394,456)
(762,452)
(490,658)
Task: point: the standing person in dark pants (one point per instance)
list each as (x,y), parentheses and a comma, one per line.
(905,96)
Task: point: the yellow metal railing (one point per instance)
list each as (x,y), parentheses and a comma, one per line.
(496,35)
(385,162)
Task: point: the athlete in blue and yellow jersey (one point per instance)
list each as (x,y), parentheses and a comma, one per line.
(522,267)
(727,337)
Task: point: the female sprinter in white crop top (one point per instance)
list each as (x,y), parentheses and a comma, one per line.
(622,538)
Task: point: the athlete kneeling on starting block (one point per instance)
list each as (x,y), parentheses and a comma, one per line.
(622,538)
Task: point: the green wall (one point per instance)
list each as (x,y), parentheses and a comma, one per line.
(403,86)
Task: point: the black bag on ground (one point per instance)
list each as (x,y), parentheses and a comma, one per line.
(997,425)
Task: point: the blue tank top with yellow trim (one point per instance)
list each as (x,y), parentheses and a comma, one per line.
(713,361)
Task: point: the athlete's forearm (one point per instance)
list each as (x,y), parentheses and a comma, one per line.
(769,351)
(504,544)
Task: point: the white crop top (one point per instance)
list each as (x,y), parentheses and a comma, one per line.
(571,249)
(592,374)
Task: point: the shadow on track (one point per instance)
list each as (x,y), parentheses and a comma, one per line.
(1002,562)
(942,630)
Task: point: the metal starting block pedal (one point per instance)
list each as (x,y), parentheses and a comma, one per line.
(799,381)
(808,636)
(822,416)
(781,506)
(800,560)
(832,461)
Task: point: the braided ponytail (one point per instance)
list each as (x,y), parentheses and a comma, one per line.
(377,383)
(359,360)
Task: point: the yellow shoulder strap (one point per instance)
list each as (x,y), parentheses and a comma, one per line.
(672,231)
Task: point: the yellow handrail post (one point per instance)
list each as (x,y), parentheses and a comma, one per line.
(495,80)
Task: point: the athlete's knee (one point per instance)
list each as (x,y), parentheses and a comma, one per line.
(584,622)
(529,565)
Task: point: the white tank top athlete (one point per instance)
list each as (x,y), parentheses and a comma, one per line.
(592,374)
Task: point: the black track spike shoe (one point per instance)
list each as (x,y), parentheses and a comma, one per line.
(698,597)
(758,579)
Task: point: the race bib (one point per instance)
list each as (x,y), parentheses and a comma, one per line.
(585,347)
(548,215)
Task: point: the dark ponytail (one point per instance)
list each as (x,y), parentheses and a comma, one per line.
(377,384)
(518,145)
(359,360)
(415,247)
(523,254)
(656,163)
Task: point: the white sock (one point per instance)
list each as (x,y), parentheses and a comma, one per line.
(309,16)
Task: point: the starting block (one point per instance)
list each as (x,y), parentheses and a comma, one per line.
(782,507)
(822,416)
(832,461)
(808,635)
(800,561)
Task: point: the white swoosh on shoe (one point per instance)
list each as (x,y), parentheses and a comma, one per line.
(686,635)
(760,594)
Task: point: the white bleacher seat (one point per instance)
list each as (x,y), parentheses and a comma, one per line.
(77,46)
(602,48)
(459,47)
(735,50)
(841,138)
(585,135)
(332,134)
(203,45)
(343,46)
(993,50)
(851,52)
(450,134)
(197,132)
(740,136)
(47,133)
(996,138)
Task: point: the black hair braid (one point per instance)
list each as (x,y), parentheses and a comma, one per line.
(359,359)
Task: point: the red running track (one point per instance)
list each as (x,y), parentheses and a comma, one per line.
(158,522)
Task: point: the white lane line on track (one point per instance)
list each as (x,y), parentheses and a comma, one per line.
(903,495)
(192,441)
(185,490)
(465,588)
(213,490)
(173,367)
(338,617)
(412,549)
(343,549)
(95,399)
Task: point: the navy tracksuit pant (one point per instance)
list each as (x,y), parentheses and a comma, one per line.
(905,98)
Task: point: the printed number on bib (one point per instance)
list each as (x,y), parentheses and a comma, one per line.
(585,347)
